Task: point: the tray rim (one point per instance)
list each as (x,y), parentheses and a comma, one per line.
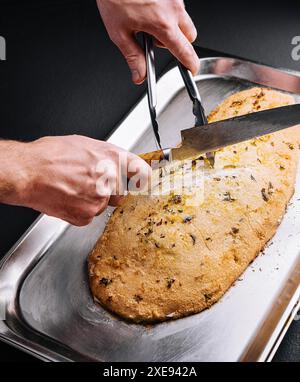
(45,349)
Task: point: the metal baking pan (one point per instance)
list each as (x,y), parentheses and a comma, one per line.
(45,302)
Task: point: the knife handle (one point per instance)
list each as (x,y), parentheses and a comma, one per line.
(157,155)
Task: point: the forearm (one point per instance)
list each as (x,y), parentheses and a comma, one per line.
(13,180)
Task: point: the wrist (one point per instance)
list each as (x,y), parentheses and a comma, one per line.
(14,175)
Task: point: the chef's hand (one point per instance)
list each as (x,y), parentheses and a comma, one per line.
(166,20)
(69,177)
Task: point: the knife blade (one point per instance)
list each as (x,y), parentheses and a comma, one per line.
(213,136)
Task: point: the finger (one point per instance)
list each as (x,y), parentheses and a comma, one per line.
(116,201)
(134,56)
(159,44)
(138,172)
(107,182)
(181,48)
(136,164)
(103,205)
(79,222)
(187,27)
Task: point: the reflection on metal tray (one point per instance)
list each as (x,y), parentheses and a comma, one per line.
(44,292)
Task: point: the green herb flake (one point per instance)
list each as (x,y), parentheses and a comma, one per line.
(149,232)
(235,230)
(170,282)
(208,296)
(138,298)
(193,237)
(105,281)
(228,197)
(176,199)
(264,195)
(187,219)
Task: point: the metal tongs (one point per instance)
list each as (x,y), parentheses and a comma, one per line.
(191,87)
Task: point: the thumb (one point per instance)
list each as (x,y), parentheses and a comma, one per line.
(135,58)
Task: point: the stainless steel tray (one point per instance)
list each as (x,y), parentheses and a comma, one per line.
(45,301)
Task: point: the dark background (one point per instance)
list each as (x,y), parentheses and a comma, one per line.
(64,76)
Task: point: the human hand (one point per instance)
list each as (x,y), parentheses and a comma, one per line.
(70,177)
(166,20)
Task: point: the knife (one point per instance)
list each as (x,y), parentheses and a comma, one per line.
(213,136)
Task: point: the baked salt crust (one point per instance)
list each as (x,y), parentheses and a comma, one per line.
(161,257)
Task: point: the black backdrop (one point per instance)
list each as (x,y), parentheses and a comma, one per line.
(63,76)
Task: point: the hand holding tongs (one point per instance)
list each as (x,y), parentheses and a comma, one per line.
(190,84)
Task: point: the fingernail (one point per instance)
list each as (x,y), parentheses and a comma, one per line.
(136,76)
(196,67)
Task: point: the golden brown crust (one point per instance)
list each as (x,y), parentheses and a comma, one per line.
(152,263)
